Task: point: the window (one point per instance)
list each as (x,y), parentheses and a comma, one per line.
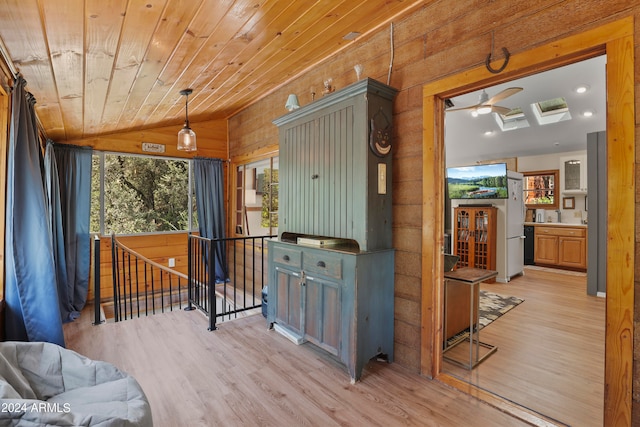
(539,189)
(140,194)
(256,198)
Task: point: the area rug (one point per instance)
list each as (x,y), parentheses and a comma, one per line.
(492,306)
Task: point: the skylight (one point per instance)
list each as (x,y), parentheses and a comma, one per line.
(514,119)
(551,111)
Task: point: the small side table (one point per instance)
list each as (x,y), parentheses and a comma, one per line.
(472,277)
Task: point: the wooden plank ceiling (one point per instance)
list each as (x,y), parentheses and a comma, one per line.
(103,66)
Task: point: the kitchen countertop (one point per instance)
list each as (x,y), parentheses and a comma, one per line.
(556,224)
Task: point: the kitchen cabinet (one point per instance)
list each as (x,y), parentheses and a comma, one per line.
(335,299)
(475,236)
(561,246)
(573,174)
(546,247)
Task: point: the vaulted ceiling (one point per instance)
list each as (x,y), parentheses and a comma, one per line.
(102,66)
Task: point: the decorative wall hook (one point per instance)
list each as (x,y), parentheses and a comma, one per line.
(487,62)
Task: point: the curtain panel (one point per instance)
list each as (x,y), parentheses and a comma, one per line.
(68,179)
(209,187)
(32,308)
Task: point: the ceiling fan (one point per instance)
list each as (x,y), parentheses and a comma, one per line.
(486,105)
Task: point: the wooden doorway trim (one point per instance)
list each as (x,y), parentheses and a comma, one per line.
(616,41)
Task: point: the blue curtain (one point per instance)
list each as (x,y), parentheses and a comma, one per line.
(209,183)
(68,179)
(32,310)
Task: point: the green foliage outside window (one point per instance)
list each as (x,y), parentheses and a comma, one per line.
(141,194)
(270,199)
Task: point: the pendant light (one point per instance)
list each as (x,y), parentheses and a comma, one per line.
(186,136)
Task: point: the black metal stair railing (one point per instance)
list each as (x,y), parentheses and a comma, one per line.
(142,287)
(246,276)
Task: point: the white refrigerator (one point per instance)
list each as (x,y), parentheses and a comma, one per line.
(510,248)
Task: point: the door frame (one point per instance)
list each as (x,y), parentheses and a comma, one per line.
(616,40)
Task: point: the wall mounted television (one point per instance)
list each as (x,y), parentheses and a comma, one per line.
(478,182)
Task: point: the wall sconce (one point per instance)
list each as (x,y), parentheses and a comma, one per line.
(186,136)
(292,102)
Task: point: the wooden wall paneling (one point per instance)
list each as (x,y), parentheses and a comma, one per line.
(157,247)
(616,39)
(211,139)
(428,46)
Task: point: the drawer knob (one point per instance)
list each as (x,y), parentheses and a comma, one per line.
(286,258)
(321,264)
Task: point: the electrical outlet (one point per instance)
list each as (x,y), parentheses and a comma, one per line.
(172,262)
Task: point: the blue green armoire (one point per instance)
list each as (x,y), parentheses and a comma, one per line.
(331,271)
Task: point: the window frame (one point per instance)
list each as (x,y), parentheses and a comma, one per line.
(556,174)
(101,156)
(239,209)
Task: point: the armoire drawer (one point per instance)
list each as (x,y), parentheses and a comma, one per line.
(325,263)
(291,257)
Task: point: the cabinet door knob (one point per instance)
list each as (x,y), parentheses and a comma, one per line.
(286,258)
(321,264)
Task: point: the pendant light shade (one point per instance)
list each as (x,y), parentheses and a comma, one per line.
(186,136)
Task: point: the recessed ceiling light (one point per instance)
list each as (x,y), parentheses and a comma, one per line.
(581,88)
(488,133)
(588,113)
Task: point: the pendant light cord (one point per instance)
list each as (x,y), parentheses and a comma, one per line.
(186,109)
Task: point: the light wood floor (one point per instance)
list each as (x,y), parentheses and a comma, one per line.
(243,374)
(550,355)
(550,358)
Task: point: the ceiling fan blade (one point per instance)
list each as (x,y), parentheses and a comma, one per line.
(504,94)
(500,110)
